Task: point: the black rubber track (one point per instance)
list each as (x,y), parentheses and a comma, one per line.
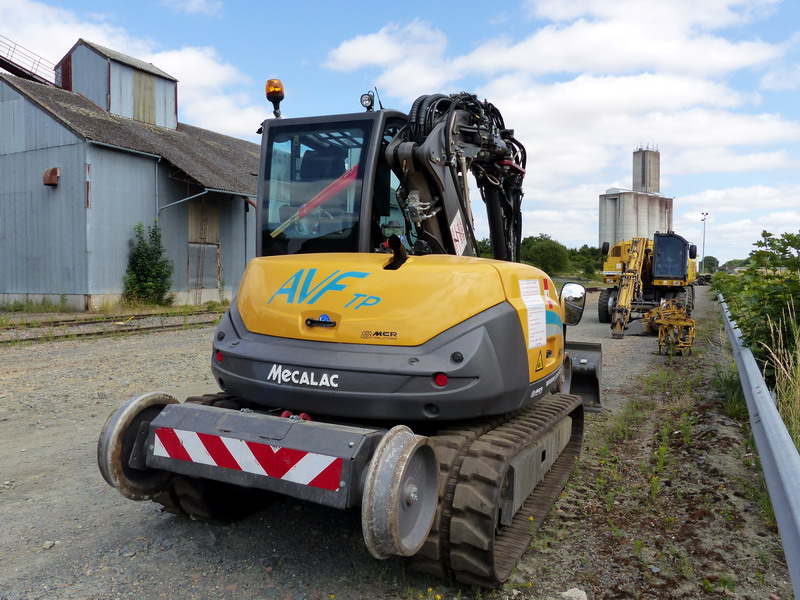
(451,446)
(481,551)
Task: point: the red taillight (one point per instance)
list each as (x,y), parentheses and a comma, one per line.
(440,379)
(219,356)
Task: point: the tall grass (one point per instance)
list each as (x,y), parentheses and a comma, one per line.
(784,354)
(729,388)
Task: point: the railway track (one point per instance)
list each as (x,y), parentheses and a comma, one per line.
(43,330)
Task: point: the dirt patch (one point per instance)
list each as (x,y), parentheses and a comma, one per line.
(662,503)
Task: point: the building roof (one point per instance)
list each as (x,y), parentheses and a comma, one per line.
(120,58)
(213,160)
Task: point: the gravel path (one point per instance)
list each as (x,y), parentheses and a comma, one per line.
(66,534)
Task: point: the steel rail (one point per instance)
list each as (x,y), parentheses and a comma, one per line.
(106,320)
(780,460)
(54,337)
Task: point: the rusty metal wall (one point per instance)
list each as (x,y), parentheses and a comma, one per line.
(142,96)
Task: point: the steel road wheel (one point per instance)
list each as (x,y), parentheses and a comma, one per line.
(116,443)
(400,494)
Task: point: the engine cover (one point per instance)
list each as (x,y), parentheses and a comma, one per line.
(440,338)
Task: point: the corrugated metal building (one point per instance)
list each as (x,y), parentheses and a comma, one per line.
(80,166)
(640,212)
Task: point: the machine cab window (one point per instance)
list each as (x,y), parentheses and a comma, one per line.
(313,176)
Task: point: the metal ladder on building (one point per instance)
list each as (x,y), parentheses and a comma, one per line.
(22,62)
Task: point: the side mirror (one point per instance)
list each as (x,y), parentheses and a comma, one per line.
(573,301)
(604,248)
(692,251)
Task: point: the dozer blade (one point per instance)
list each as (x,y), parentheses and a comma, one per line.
(587,364)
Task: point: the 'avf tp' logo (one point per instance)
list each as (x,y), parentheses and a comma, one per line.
(301,288)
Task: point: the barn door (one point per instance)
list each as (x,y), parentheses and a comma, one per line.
(204,261)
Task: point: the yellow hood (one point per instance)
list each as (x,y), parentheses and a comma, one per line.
(370,305)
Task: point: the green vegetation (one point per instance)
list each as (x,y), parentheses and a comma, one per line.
(45,305)
(765,291)
(709,264)
(762,302)
(553,257)
(149,273)
(784,356)
(546,253)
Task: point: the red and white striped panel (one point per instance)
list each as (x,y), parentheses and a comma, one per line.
(296,466)
(550,303)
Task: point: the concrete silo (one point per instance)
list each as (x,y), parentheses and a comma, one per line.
(640,211)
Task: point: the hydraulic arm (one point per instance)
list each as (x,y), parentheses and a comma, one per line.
(630,287)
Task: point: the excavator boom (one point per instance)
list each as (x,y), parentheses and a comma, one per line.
(630,286)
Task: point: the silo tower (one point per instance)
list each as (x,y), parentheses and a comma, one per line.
(640,211)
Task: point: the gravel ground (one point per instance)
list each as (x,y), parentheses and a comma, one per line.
(66,534)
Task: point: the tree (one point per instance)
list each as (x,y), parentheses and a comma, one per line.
(709,264)
(149,275)
(485,248)
(586,259)
(544,252)
(736,263)
(764,294)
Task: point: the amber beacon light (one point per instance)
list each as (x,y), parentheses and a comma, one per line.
(275,94)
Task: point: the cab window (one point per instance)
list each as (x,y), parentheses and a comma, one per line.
(314,176)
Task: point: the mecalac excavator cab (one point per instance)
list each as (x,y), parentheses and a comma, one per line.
(371,359)
(325,185)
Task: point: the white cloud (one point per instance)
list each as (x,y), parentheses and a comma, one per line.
(207,85)
(724,160)
(197,68)
(743,199)
(573,228)
(206,91)
(50,31)
(580,128)
(733,225)
(601,36)
(391,44)
(195,7)
(411,56)
(709,14)
(599,78)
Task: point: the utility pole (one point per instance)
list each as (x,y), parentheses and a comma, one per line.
(703,261)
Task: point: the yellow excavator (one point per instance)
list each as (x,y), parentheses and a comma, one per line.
(653,280)
(370,359)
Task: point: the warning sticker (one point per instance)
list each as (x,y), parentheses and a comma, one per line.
(537,319)
(459,234)
(540,362)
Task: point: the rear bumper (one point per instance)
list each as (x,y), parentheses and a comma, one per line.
(480,356)
(319,462)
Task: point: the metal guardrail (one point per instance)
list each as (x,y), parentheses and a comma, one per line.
(780,460)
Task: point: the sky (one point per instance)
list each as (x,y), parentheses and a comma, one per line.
(712,84)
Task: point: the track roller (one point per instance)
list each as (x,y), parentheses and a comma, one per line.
(120,438)
(400,494)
